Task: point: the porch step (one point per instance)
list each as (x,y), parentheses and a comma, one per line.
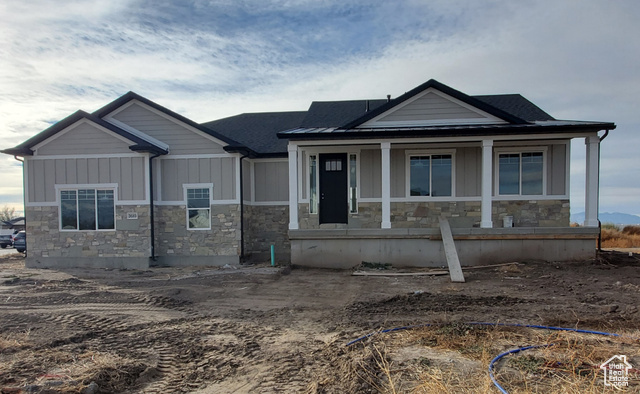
(450,251)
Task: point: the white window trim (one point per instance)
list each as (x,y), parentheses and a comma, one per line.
(185,187)
(429,152)
(520,151)
(105,186)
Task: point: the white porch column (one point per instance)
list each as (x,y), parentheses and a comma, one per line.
(293,186)
(487,182)
(386,184)
(592,182)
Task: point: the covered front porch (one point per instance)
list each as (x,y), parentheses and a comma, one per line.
(396,227)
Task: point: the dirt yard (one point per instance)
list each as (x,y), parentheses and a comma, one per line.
(258,329)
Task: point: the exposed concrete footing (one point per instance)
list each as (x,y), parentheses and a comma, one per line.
(424,248)
(138,263)
(207,261)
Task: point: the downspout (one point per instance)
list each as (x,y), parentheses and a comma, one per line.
(606,133)
(24,196)
(151,204)
(242,208)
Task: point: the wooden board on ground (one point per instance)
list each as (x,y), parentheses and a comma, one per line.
(386,273)
(426,273)
(450,251)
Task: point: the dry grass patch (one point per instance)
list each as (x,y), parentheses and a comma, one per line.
(63,371)
(454,358)
(613,237)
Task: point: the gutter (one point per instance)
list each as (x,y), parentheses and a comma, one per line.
(24,196)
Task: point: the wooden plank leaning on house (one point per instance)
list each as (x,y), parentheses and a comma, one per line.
(450,251)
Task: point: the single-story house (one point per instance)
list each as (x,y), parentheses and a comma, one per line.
(134,183)
(15,224)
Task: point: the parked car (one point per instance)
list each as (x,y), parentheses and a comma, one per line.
(6,240)
(20,242)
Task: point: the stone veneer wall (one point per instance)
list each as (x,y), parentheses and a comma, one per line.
(45,240)
(533,213)
(173,239)
(267,225)
(369,216)
(426,214)
(527,213)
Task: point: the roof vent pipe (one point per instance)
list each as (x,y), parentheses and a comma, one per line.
(388,98)
(366,108)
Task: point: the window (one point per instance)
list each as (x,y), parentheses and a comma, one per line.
(353,184)
(87,209)
(333,165)
(520,173)
(198,208)
(313,185)
(430,175)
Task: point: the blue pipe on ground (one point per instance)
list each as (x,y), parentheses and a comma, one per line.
(498,357)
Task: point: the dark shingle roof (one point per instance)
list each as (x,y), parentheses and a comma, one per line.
(258,131)
(516,105)
(337,113)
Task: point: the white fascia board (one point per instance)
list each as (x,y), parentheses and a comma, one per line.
(73,126)
(483,117)
(137,133)
(167,117)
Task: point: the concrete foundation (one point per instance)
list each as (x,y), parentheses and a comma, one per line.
(207,261)
(424,248)
(136,263)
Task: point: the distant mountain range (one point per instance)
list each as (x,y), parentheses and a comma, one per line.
(606,217)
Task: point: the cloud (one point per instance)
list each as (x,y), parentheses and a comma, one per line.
(211,59)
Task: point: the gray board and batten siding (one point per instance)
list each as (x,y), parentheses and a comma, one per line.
(220,171)
(180,139)
(271,181)
(468,165)
(127,172)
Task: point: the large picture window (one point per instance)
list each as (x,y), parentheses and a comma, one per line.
(430,175)
(198,208)
(521,173)
(87,209)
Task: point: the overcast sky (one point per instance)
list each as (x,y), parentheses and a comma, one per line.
(206,60)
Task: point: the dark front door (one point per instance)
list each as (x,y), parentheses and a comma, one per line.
(333,188)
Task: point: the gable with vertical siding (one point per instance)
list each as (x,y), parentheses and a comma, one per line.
(84,138)
(181,140)
(431,108)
